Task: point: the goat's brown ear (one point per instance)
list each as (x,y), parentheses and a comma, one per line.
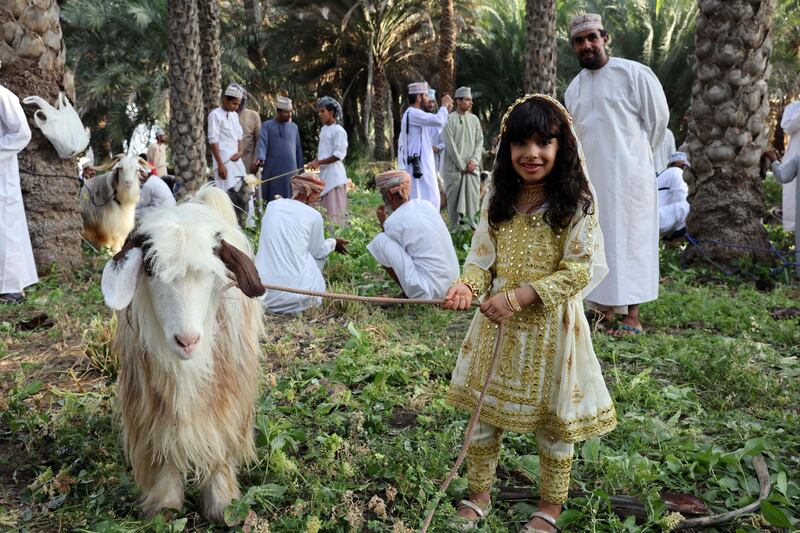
(243,268)
(116,159)
(133,240)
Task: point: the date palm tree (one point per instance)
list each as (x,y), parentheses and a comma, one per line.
(447,47)
(728,125)
(208,20)
(118,53)
(187,141)
(34,64)
(540,46)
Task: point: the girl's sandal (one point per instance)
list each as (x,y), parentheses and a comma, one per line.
(460,523)
(544,516)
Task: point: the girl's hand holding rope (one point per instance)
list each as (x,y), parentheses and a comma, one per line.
(459,298)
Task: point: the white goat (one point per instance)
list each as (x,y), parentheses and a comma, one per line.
(108,203)
(188,351)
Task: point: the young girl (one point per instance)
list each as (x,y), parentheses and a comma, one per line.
(537,249)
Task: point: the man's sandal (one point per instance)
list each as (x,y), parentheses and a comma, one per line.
(465,524)
(544,516)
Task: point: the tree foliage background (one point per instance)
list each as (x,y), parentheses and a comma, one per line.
(349,49)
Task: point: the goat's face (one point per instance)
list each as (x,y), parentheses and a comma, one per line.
(127,172)
(177,262)
(185,308)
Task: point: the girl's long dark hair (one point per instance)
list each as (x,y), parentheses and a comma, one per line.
(566,187)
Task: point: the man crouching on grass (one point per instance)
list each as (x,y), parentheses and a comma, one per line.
(415,247)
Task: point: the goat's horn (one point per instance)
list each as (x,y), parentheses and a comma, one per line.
(243,268)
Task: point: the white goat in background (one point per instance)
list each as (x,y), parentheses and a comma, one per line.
(108,203)
(188,351)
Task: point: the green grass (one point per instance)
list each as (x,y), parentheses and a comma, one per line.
(353,432)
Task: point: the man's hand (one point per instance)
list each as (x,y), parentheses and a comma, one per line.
(380,212)
(222,171)
(313,164)
(341,246)
(447,102)
(458,298)
(253,167)
(236,156)
(471,166)
(436,149)
(772,155)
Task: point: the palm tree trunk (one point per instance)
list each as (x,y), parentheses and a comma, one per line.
(540,47)
(379,109)
(208,21)
(367,115)
(728,125)
(186,123)
(447,48)
(33,64)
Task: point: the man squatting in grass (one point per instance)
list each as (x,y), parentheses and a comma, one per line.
(537,251)
(415,247)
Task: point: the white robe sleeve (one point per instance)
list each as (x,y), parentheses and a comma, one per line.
(318,246)
(238,132)
(790,122)
(339,144)
(420,118)
(786,172)
(653,108)
(213,128)
(18,133)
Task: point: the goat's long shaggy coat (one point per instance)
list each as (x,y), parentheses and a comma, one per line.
(189,418)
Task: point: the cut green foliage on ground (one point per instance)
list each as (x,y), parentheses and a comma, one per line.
(353,432)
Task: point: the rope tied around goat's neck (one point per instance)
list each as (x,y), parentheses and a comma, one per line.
(475,415)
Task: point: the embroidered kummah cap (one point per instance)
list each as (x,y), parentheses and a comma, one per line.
(306,183)
(283,103)
(159,132)
(463,92)
(418,87)
(234,90)
(679,156)
(587,21)
(393,181)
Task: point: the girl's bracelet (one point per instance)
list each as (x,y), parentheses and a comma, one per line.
(508,301)
(511,296)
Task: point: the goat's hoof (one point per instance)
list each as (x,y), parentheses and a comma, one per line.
(150,512)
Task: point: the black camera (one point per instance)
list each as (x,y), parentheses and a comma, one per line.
(416,165)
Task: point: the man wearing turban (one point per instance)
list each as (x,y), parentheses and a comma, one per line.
(463,151)
(621,116)
(415,247)
(225,138)
(292,248)
(279,151)
(414,147)
(157,152)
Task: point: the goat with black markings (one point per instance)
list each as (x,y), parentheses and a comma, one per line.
(188,345)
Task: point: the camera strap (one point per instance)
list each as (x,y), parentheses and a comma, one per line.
(408,112)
